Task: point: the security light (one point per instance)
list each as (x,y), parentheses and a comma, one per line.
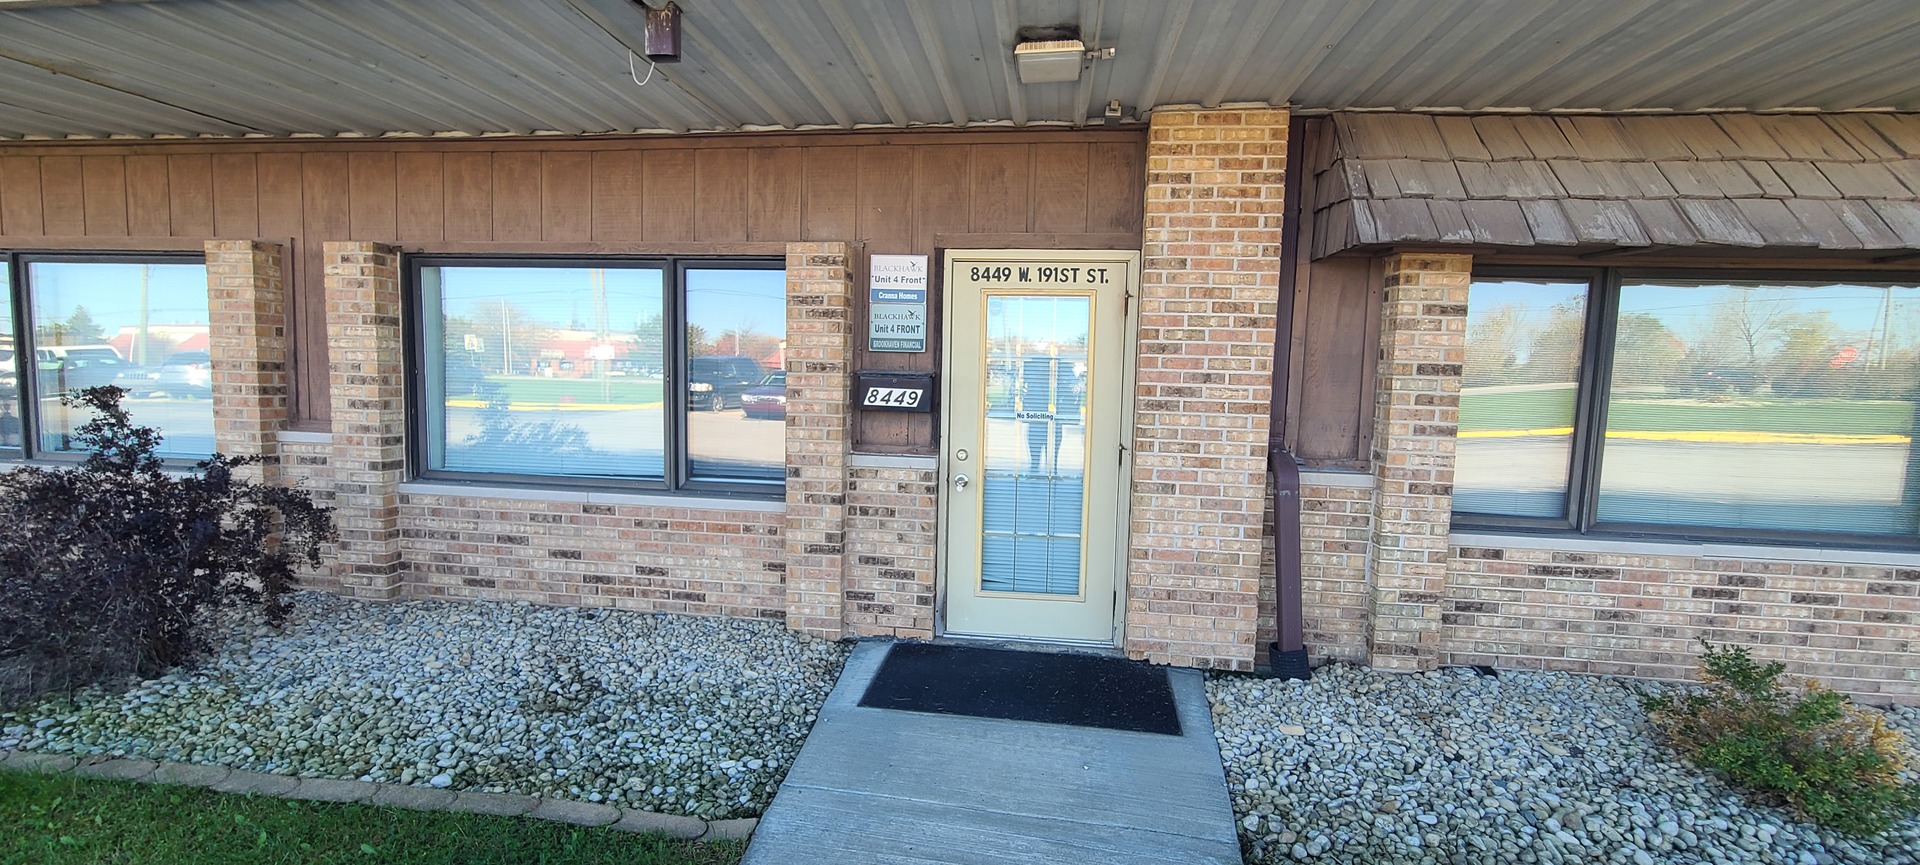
(1050,62)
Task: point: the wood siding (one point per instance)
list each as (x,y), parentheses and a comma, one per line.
(895,192)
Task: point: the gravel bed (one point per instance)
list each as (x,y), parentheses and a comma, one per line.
(1453,767)
(675,714)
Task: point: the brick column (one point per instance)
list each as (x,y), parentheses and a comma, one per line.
(819,355)
(365,370)
(1416,416)
(1210,276)
(247,338)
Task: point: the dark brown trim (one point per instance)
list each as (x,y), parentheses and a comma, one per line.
(654,141)
(534,248)
(945,242)
(1288,654)
(130,245)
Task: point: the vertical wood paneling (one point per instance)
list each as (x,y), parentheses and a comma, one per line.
(1335,358)
(894,195)
(104,178)
(372,209)
(566,196)
(720,210)
(469,196)
(1060,184)
(773,208)
(148,212)
(516,196)
(886,190)
(63,196)
(20,196)
(420,214)
(190,189)
(236,196)
(1001,189)
(1116,187)
(283,217)
(618,195)
(324,216)
(832,194)
(944,175)
(282,210)
(668,213)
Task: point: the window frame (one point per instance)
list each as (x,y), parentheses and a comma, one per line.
(20,295)
(1595,382)
(676,464)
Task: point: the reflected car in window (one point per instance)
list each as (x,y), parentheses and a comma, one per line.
(718,383)
(186,374)
(769,400)
(62,369)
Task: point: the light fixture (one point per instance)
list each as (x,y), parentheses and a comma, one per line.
(1053,61)
(661,36)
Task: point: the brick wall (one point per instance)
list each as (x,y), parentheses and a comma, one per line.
(568,549)
(892,514)
(1416,416)
(366,370)
(1627,612)
(1210,276)
(819,433)
(247,342)
(1336,524)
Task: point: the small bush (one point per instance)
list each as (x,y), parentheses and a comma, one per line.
(1807,746)
(110,568)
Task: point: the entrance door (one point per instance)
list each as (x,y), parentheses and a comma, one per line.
(1035,409)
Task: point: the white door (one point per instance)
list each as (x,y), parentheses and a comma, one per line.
(1035,415)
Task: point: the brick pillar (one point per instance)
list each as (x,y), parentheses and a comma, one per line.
(365,369)
(1416,416)
(819,355)
(1210,276)
(247,337)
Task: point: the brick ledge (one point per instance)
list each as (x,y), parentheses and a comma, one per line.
(1683,549)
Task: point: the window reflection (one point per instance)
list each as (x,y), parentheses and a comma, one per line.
(1518,391)
(546,370)
(1781,406)
(736,342)
(1033,483)
(139,326)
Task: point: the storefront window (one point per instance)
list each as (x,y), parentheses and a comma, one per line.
(139,325)
(1780,408)
(538,371)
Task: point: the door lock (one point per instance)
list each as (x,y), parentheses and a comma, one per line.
(960,482)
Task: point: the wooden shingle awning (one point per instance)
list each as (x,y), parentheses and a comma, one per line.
(1843,183)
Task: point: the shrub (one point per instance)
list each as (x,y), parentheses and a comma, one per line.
(1806,746)
(112,567)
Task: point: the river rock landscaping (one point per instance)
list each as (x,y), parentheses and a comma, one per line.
(674,714)
(1455,767)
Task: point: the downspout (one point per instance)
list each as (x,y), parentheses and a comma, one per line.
(1287,657)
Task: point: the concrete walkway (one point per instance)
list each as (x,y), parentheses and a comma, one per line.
(877,785)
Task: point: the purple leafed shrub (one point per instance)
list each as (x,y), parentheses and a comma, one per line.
(112,567)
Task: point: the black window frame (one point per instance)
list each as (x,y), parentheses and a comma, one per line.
(1581,515)
(677,464)
(26,372)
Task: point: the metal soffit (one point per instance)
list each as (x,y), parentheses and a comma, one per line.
(519,67)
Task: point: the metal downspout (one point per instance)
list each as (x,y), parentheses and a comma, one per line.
(1287,657)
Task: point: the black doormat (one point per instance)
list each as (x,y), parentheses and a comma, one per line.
(1048,687)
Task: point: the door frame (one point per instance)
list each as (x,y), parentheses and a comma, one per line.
(1123,506)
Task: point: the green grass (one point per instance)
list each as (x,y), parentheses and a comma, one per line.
(59,819)
(561,390)
(1533,409)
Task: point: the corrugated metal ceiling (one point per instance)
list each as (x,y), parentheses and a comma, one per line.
(373,67)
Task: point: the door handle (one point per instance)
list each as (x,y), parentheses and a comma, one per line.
(960,482)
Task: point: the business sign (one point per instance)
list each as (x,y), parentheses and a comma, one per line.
(897,303)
